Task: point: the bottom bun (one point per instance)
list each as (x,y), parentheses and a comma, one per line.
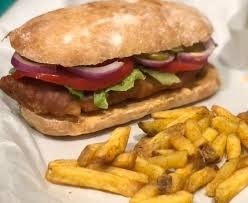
(129,111)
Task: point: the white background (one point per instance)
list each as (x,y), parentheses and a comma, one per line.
(24,153)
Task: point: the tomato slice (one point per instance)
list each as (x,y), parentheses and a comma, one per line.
(80,83)
(180,66)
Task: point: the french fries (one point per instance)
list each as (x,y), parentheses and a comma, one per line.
(146,192)
(233,146)
(182,143)
(224,125)
(220,111)
(71,174)
(132,175)
(199,179)
(151,170)
(176,157)
(178,197)
(87,155)
(243,133)
(175,160)
(125,160)
(114,146)
(219,144)
(232,186)
(225,171)
(210,134)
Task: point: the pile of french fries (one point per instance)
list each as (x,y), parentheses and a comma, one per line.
(183,151)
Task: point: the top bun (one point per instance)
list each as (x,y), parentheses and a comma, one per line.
(91,33)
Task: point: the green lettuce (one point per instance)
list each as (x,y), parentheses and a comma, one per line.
(162,77)
(100,98)
(76,93)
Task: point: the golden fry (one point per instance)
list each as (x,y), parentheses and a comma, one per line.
(88,153)
(164,152)
(174,182)
(178,197)
(232,186)
(173,113)
(210,134)
(125,173)
(233,146)
(146,192)
(243,162)
(224,172)
(114,146)
(175,160)
(243,133)
(61,172)
(182,143)
(224,125)
(220,111)
(125,160)
(151,170)
(219,144)
(204,123)
(199,179)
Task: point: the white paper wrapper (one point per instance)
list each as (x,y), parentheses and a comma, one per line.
(24,153)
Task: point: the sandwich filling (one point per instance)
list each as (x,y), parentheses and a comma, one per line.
(49,89)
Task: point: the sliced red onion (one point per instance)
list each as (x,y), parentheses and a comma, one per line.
(97,72)
(198,56)
(154,63)
(25,65)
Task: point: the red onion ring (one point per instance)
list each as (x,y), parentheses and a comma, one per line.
(97,72)
(25,65)
(154,63)
(198,56)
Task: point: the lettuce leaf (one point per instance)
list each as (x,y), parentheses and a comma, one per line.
(100,98)
(162,77)
(76,93)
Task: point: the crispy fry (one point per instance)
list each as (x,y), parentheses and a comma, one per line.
(146,192)
(125,160)
(114,146)
(174,182)
(151,170)
(197,114)
(146,146)
(175,160)
(225,171)
(199,179)
(164,152)
(182,143)
(243,133)
(224,125)
(69,173)
(243,162)
(173,114)
(193,133)
(155,126)
(132,175)
(220,111)
(232,186)
(219,144)
(88,153)
(178,197)
(244,116)
(204,123)
(208,154)
(210,134)
(233,146)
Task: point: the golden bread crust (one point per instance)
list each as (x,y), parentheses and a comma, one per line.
(124,113)
(94,32)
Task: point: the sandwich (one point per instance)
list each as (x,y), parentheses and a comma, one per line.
(82,69)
